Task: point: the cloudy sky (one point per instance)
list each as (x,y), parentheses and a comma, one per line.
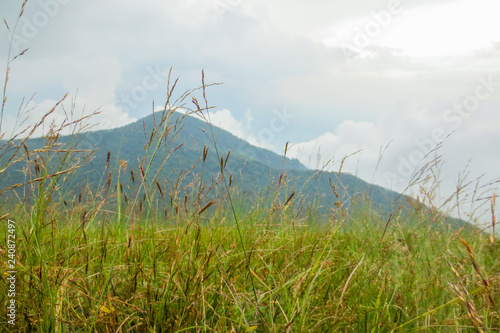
(379,78)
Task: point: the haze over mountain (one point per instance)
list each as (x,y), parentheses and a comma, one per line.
(253,168)
(254,172)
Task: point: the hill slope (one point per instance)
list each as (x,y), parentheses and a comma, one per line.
(254,171)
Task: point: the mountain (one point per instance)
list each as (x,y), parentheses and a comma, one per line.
(255,172)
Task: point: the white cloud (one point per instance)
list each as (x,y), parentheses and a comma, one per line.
(68,111)
(439,30)
(240,128)
(433,30)
(225,120)
(406,144)
(329,149)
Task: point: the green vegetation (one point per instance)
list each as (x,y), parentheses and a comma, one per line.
(188,272)
(146,235)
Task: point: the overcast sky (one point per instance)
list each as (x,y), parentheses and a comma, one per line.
(330,77)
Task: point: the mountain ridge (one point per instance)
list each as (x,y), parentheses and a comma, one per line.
(251,169)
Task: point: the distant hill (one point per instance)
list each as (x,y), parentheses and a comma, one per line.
(253,170)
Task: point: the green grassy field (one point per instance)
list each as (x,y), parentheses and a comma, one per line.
(192,273)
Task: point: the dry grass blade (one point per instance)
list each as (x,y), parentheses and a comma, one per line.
(132,176)
(476,268)
(207,206)
(159,189)
(205,153)
(347,284)
(9,60)
(227,158)
(453,301)
(289,198)
(386,226)
(39,179)
(471,310)
(493,220)
(22,8)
